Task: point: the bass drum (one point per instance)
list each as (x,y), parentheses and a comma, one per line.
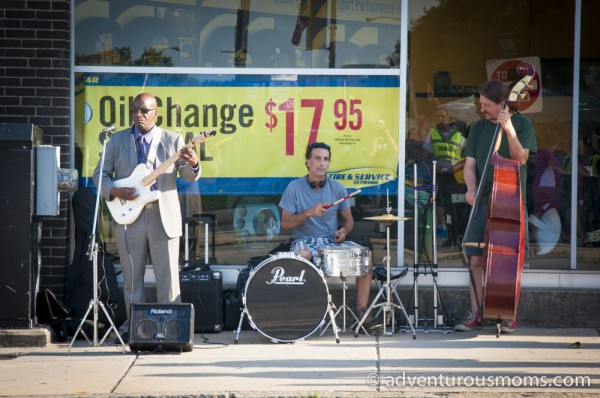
(286,298)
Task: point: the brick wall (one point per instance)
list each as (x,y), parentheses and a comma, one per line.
(34,89)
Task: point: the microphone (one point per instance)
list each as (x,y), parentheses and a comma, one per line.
(106,132)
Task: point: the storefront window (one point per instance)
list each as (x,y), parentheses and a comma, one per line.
(263,121)
(588,211)
(456,46)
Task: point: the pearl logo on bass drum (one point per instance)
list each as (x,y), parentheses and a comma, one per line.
(279,278)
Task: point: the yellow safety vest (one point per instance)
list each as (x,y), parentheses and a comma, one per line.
(447,147)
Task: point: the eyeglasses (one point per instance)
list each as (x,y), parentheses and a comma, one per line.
(143,110)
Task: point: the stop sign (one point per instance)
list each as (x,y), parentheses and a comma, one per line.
(509,71)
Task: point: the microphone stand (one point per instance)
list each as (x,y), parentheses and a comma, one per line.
(92,253)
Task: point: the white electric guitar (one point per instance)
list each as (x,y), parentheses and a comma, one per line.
(127,211)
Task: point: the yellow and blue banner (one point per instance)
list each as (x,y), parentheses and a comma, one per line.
(263,124)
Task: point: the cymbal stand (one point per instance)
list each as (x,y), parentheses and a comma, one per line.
(417,264)
(343,307)
(387,306)
(93,256)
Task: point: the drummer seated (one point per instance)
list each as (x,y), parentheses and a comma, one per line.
(315,210)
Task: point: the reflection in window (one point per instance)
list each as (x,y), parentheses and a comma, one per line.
(244,34)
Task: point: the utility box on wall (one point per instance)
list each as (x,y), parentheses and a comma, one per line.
(47,195)
(20,232)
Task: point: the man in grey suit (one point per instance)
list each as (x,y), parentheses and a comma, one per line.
(157,229)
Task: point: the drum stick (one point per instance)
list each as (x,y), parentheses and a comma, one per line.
(342,199)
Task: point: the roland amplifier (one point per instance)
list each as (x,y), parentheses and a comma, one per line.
(204,289)
(168,327)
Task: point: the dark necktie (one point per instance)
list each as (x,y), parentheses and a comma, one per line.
(141,150)
(142,155)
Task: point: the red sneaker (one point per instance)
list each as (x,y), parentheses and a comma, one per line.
(473,320)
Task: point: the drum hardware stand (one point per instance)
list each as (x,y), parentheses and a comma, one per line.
(331,306)
(93,256)
(433,265)
(242,315)
(343,307)
(387,306)
(332,319)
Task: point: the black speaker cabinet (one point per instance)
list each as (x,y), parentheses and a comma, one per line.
(20,231)
(168,327)
(204,289)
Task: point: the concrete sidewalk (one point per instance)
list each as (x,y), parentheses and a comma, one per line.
(544,362)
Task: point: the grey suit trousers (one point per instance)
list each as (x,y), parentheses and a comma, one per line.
(134,242)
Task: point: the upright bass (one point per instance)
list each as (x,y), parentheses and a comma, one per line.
(504,239)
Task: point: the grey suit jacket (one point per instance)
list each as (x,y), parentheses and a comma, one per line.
(121,159)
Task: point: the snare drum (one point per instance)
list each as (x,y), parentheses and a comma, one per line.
(346,260)
(286,298)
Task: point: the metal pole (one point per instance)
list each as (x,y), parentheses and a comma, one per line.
(416,248)
(434,243)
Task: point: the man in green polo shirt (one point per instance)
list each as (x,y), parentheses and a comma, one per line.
(518,140)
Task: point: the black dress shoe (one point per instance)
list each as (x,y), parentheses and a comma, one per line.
(125,337)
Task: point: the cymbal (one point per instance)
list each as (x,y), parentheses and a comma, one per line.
(387,217)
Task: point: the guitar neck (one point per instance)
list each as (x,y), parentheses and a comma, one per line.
(150,178)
